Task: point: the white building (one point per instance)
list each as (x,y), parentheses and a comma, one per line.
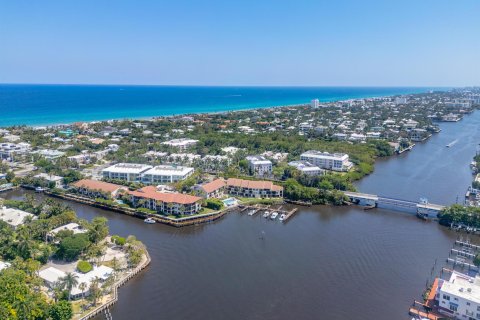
(73,227)
(181,144)
(315,103)
(8,151)
(259,165)
(131,172)
(329,161)
(307,168)
(50,154)
(14,217)
(459,297)
(52,276)
(166,174)
(50,178)
(400,100)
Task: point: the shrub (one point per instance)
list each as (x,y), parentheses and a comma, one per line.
(118,240)
(214,204)
(84,266)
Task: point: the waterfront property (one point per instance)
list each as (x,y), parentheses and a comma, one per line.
(54,180)
(52,276)
(329,161)
(253,189)
(212,189)
(130,172)
(165,202)
(72,227)
(97,189)
(459,296)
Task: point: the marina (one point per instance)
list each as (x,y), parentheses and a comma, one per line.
(269,211)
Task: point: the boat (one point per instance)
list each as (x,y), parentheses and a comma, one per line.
(149,220)
(274,215)
(452,143)
(282,217)
(39,189)
(266,214)
(251,212)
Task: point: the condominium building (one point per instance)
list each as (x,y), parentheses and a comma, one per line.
(329,161)
(131,172)
(212,189)
(166,202)
(97,189)
(181,144)
(259,165)
(166,174)
(307,168)
(253,189)
(459,296)
(315,103)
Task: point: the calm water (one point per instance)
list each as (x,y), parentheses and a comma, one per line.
(326,263)
(53,104)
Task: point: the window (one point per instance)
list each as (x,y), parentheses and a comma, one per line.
(453,307)
(468,303)
(446,297)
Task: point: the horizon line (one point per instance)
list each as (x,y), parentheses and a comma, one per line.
(232,86)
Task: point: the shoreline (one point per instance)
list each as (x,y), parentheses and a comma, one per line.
(229,108)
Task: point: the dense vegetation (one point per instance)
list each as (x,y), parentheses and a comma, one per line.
(460,215)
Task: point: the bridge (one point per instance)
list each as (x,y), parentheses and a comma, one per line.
(422,208)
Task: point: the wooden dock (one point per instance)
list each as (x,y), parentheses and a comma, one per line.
(461,253)
(289,214)
(467,244)
(462,264)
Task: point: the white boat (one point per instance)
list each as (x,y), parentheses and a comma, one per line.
(149,220)
(452,143)
(274,215)
(251,213)
(282,217)
(39,189)
(266,214)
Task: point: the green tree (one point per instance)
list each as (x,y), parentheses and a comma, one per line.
(60,311)
(98,229)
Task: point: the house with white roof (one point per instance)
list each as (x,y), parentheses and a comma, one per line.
(307,168)
(181,144)
(14,217)
(329,161)
(166,174)
(131,172)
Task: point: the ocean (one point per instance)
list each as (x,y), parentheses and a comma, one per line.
(36,105)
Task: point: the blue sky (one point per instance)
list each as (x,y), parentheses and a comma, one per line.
(261,42)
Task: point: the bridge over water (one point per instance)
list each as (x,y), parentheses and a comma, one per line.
(423,208)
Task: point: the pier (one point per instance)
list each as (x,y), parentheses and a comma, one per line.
(423,209)
(259,207)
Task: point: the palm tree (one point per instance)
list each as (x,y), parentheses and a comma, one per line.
(82,286)
(69,281)
(57,288)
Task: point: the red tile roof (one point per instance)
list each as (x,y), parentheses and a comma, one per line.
(213,185)
(151,192)
(98,185)
(253,184)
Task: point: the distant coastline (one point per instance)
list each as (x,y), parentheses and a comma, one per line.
(44,105)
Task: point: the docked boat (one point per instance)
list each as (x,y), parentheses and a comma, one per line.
(149,220)
(39,189)
(274,215)
(266,214)
(282,217)
(251,212)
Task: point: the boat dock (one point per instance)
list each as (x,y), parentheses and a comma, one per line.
(466,244)
(422,208)
(259,207)
(462,253)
